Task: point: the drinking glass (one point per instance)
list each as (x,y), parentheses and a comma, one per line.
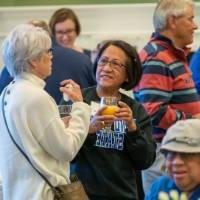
(111,107)
(64,110)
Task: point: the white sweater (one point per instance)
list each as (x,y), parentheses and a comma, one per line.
(34,122)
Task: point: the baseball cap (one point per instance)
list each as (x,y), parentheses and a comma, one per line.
(183,136)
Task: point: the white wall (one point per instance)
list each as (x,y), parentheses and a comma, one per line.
(130,22)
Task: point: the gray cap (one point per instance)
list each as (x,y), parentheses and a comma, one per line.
(183,136)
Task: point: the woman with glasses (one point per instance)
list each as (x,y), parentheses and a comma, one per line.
(65,28)
(109,159)
(31,117)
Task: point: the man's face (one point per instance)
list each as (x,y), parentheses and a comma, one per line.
(183,28)
(184,169)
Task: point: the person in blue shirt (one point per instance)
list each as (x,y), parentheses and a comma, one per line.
(68,64)
(181,147)
(195,68)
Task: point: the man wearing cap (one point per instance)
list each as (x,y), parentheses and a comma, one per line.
(181,147)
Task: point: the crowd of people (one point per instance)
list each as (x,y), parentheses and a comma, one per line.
(148,147)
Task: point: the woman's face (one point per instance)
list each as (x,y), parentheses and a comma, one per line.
(111,70)
(65,33)
(42,67)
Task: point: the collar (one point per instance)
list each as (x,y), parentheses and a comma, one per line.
(31,78)
(165,41)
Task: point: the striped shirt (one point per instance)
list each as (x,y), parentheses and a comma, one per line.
(166,88)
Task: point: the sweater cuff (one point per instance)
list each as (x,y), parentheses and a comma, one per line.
(133,134)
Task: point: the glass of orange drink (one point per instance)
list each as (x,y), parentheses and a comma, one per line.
(111,106)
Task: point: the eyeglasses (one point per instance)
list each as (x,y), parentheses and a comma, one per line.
(66,32)
(49,50)
(170,155)
(114,64)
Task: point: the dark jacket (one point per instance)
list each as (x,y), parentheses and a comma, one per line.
(68,64)
(107,162)
(5,79)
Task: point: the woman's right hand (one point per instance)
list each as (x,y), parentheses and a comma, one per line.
(100,121)
(73,92)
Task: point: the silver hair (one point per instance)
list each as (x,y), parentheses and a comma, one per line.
(166,8)
(24,43)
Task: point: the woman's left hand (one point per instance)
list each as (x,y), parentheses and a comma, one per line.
(125,113)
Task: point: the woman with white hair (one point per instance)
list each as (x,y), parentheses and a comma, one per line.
(33,120)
